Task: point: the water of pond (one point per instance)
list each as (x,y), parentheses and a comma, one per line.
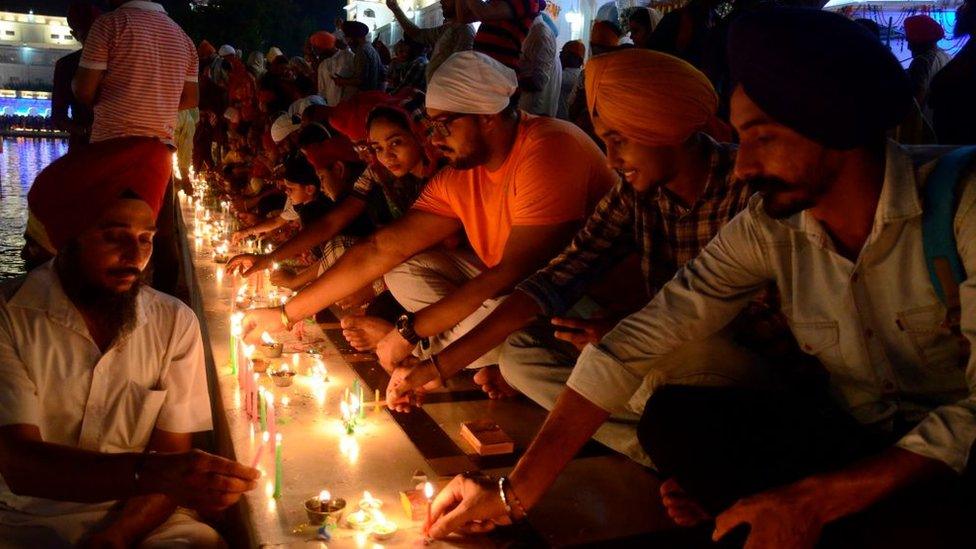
(22,159)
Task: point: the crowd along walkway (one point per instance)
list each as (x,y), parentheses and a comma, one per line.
(601,497)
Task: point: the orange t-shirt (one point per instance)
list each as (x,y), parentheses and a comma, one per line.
(554,174)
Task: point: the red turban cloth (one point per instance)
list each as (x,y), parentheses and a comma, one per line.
(324,154)
(322,41)
(205,50)
(72,194)
(922,29)
(349,117)
(652,98)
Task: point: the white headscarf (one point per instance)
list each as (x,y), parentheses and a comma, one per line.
(226,49)
(471,83)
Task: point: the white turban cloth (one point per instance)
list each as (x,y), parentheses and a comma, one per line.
(471,83)
(282,128)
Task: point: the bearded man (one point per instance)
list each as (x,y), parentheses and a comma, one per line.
(102,380)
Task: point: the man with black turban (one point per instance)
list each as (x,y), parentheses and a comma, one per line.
(837,226)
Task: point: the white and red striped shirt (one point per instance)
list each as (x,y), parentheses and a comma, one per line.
(147,58)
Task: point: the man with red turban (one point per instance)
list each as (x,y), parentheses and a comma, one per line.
(98,373)
(923,34)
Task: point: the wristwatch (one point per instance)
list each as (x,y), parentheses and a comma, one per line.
(404,327)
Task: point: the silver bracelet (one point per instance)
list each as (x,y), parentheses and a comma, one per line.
(510,501)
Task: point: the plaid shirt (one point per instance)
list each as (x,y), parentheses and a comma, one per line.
(666,233)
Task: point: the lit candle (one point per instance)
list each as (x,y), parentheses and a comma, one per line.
(220,275)
(362,404)
(376,400)
(429,494)
(263,408)
(277,484)
(257,455)
(346,421)
(253,391)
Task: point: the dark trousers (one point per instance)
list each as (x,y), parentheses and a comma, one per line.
(721,444)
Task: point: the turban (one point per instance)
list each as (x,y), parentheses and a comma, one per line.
(282,127)
(651,97)
(605,34)
(73,192)
(355,29)
(820,74)
(205,50)
(322,40)
(297,109)
(273,54)
(226,49)
(324,154)
(470,82)
(922,29)
(575,47)
(349,117)
(81,15)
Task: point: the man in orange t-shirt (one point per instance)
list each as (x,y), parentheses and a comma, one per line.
(519,186)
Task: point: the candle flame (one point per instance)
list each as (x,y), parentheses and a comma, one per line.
(278,439)
(324,495)
(428,490)
(249,352)
(344,407)
(270,396)
(267,339)
(266,436)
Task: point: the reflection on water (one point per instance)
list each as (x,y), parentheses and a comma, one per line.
(20,162)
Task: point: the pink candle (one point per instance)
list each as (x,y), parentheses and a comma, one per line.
(254,397)
(272,428)
(257,456)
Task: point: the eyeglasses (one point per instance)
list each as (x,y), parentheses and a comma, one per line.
(440,124)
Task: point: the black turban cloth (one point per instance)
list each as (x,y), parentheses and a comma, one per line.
(820,74)
(355,29)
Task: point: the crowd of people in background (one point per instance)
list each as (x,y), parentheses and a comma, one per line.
(707,240)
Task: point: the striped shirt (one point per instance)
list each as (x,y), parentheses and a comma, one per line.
(665,233)
(147,59)
(502,39)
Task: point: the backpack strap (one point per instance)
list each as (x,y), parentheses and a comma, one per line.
(940,201)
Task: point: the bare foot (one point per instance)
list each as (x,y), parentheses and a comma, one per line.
(491,381)
(681,507)
(364,332)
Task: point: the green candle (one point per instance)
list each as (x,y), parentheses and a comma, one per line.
(262,409)
(277,482)
(233,353)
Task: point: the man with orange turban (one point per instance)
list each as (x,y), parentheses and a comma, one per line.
(677,189)
(102,380)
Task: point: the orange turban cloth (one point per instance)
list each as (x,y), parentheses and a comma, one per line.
(604,34)
(74,191)
(651,97)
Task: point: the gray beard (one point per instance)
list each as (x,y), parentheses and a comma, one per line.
(112,312)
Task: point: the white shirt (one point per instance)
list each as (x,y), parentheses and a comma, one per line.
(875,324)
(53,375)
(341,64)
(540,64)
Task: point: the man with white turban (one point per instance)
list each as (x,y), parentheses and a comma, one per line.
(656,115)
(517,203)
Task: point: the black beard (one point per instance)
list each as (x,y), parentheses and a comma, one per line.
(767,187)
(111,311)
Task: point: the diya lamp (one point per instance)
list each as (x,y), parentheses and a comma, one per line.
(369,503)
(220,252)
(282,377)
(269,347)
(383,528)
(359,520)
(324,508)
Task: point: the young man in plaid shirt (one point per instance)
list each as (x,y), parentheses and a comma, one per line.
(677,191)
